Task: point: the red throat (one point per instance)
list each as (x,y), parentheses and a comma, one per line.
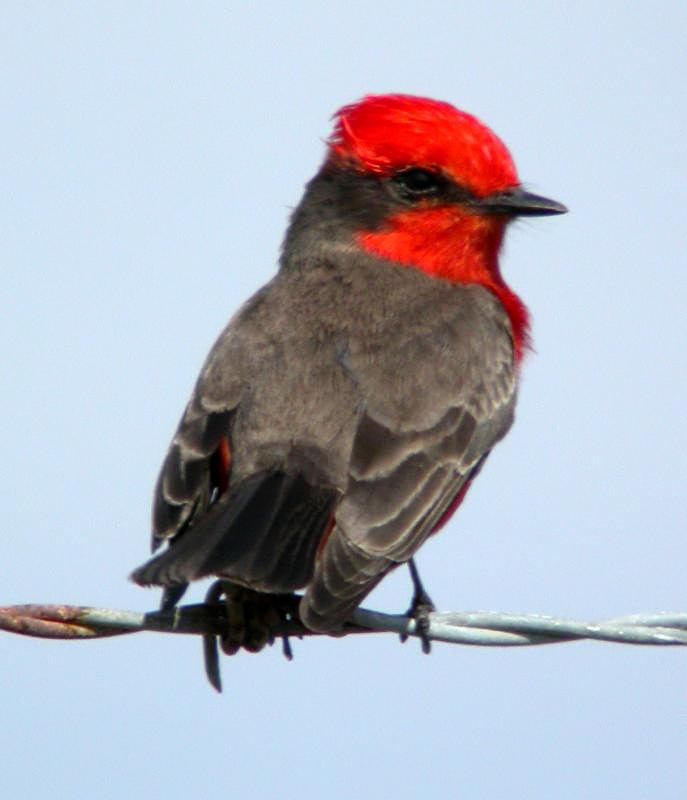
(457,246)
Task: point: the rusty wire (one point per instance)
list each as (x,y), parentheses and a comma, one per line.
(475,628)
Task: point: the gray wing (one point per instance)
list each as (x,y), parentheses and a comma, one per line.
(332,426)
(429,422)
(255,468)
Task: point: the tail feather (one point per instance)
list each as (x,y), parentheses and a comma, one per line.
(296,559)
(264,533)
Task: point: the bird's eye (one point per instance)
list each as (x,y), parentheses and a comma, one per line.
(418,182)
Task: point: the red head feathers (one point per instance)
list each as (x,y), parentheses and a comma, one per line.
(384,132)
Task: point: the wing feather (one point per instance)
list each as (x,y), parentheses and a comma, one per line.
(402,485)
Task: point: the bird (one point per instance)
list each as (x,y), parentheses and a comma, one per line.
(342,414)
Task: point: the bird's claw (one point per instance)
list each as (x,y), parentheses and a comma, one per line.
(250,619)
(420,609)
(420,613)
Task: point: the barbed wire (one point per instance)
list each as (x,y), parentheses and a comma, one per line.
(482,628)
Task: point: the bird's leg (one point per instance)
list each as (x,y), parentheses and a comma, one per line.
(171,596)
(420,608)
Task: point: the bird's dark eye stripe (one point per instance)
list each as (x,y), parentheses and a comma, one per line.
(419,182)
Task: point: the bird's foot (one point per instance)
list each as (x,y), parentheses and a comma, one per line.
(420,609)
(250,621)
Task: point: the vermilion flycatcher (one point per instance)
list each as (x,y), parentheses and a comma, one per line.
(344,410)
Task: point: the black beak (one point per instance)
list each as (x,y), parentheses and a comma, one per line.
(519,203)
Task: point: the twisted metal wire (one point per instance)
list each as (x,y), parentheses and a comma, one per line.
(210,621)
(485,628)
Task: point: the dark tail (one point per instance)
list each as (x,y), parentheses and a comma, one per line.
(264,532)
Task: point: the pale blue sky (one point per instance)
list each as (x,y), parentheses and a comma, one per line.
(150,154)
